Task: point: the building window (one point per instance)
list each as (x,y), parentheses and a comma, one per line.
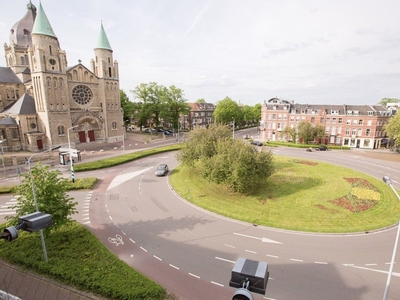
(14,133)
(360,122)
(348,121)
(333,120)
(369,122)
(328,120)
(347,131)
(61,130)
(359,132)
(340,121)
(368,132)
(114,125)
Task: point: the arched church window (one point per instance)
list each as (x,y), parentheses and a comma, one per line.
(114,125)
(48,82)
(14,133)
(22,60)
(8,94)
(55,82)
(75,75)
(12,94)
(50,49)
(61,83)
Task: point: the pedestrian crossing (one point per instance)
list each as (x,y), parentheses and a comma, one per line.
(6,210)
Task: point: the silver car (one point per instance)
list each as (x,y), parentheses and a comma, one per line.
(162,170)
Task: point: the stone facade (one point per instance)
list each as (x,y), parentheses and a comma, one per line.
(44,102)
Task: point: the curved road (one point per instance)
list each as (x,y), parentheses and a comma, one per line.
(191,252)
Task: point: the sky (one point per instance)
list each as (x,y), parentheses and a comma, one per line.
(306,51)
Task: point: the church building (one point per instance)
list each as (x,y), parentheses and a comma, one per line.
(46,103)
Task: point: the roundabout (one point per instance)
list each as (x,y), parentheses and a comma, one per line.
(191,251)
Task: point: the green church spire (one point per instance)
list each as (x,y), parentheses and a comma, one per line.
(42,24)
(102,42)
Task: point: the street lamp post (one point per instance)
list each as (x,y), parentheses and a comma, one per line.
(233,132)
(71,162)
(387,180)
(2,158)
(35,199)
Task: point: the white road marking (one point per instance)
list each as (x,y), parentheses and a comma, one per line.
(274,256)
(174,266)
(295,259)
(321,263)
(374,270)
(156,257)
(119,179)
(216,283)
(223,259)
(263,239)
(198,277)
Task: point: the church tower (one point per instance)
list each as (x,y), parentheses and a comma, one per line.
(48,70)
(106,69)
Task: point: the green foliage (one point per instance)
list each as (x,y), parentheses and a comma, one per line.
(227,111)
(82,184)
(297,196)
(385,101)
(50,191)
(127,106)
(291,131)
(77,258)
(238,165)
(392,129)
(157,103)
(118,160)
(233,163)
(202,143)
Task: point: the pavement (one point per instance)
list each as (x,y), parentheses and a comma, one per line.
(22,284)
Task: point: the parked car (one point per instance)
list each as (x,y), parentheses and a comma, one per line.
(322,148)
(256,143)
(162,170)
(167,132)
(309,149)
(149,130)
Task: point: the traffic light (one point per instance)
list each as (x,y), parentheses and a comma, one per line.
(31,223)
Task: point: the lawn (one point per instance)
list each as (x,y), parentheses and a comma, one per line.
(301,195)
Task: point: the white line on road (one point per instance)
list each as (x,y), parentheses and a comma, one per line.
(223,259)
(230,246)
(295,259)
(254,252)
(156,257)
(321,263)
(198,277)
(132,240)
(263,239)
(143,249)
(273,256)
(216,283)
(174,266)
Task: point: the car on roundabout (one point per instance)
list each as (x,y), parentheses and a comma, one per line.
(322,148)
(162,170)
(256,143)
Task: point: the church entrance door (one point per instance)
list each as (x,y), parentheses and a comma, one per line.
(91,135)
(82,137)
(39,144)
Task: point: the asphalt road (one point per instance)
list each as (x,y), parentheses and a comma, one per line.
(191,252)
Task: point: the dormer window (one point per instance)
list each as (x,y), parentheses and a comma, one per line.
(26,32)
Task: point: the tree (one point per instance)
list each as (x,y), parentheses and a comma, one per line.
(51,195)
(223,161)
(291,131)
(127,106)
(308,132)
(392,129)
(227,111)
(201,100)
(202,143)
(175,106)
(385,101)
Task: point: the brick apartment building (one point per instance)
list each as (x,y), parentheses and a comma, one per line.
(200,115)
(356,126)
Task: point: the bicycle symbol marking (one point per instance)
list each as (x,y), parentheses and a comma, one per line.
(117,240)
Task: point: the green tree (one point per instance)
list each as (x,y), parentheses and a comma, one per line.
(385,101)
(51,195)
(152,96)
(227,111)
(127,106)
(392,129)
(175,106)
(248,114)
(201,100)
(291,131)
(202,143)
(223,161)
(257,113)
